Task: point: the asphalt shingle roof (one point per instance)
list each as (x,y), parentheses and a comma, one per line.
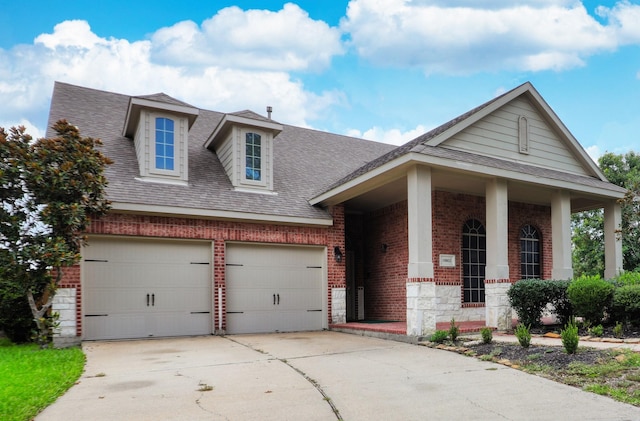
(306,161)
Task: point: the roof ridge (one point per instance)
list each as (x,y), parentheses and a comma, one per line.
(420,140)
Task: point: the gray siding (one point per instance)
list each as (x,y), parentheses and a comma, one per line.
(497,136)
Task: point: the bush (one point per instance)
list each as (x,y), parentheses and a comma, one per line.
(523,335)
(487,335)
(454,330)
(439,336)
(627,278)
(529,298)
(559,299)
(570,337)
(590,296)
(625,305)
(596,331)
(16,319)
(618,330)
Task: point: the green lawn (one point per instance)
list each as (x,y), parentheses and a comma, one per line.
(33,378)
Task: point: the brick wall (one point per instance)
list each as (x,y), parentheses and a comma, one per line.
(219,232)
(386,273)
(521,214)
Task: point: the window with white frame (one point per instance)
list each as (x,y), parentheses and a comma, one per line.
(529,253)
(253,156)
(164,144)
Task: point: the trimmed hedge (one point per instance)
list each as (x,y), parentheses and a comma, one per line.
(627,278)
(590,297)
(625,306)
(530,297)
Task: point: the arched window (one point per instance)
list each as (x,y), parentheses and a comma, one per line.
(165,153)
(474,260)
(529,253)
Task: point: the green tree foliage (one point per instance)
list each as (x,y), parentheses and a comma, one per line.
(51,188)
(588,226)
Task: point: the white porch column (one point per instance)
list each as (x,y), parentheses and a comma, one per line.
(497,282)
(497,229)
(421,300)
(561,235)
(420,223)
(612,240)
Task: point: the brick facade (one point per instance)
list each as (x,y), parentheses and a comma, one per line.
(219,232)
(386,272)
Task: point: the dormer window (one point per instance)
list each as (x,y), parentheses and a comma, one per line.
(165,152)
(243,142)
(159,126)
(253,159)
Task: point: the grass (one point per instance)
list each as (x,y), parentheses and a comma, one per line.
(32,378)
(617,377)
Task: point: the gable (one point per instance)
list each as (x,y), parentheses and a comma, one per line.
(518,131)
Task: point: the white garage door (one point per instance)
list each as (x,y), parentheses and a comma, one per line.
(134,288)
(274,288)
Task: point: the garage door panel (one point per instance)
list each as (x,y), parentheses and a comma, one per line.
(114,300)
(146,288)
(115,326)
(299,300)
(274,288)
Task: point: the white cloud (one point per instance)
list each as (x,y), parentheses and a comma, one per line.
(465,37)
(255,39)
(594,152)
(392,136)
(30,128)
(73,53)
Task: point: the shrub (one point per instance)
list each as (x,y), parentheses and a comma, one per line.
(528,297)
(590,296)
(559,299)
(487,335)
(627,278)
(523,335)
(16,319)
(570,337)
(454,330)
(625,305)
(439,336)
(596,331)
(618,330)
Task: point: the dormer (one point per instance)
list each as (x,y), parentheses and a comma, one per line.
(159,126)
(243,142)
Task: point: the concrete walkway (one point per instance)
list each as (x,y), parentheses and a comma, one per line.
(311,376)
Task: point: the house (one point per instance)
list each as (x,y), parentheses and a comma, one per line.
(235,223)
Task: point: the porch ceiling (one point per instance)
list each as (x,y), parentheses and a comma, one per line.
(456,182)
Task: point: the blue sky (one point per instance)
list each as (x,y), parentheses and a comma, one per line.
(386,70)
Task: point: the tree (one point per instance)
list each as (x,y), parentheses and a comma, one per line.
(51,188)
(588,226)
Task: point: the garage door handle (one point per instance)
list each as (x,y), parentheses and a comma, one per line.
(278,299)
(153,300)
(147,300)
(274,299)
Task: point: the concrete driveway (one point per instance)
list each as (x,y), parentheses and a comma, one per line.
(311,376)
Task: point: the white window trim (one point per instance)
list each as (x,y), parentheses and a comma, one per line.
(263,159)
(177,150)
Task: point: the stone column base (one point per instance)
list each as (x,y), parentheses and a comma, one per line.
(421,307)
(498,310)
(64,303)
(338,305)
